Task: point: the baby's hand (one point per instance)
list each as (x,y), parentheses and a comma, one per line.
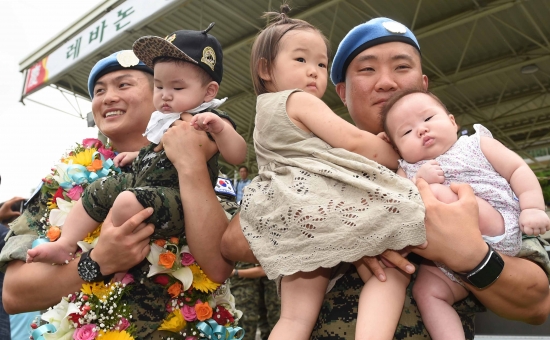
(431,172)
(534,221)
(208,122)
(125,158)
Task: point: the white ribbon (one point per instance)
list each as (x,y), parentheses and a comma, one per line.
(160,122)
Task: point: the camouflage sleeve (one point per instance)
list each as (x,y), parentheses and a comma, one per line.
(532,248)
(24,230)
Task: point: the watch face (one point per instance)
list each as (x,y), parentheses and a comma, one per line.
(489,273)
(88,269)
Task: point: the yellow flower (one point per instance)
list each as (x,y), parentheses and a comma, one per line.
(201,281)
(83,158)
(99,289)
(87,288)
(174,322)
(93,235)
(51,204)
(116,335)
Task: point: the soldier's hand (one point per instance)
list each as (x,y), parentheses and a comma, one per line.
(130,243)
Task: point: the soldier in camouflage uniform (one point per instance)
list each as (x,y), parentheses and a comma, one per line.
(257,298)
(339,311)
(247,299)
(122,249)
(372,62)
(269,308)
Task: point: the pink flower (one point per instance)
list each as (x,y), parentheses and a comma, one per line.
(123,324)
(92,142)
(86,332)
(187,259)
(127,279)
(75,192)
(189,313)
(191,338)
(108,154)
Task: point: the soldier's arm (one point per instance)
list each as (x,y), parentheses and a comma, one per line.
(205,220)
(521,292)
(36,286)
(249,273)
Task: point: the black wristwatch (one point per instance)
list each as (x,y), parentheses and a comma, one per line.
(487,272)
(89,270)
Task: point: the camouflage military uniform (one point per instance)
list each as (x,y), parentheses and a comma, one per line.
(154,181)
(339,310)
(247,299)
(147,299)
(259,302)
(269,308)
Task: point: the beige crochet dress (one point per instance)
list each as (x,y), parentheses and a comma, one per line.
(315,206)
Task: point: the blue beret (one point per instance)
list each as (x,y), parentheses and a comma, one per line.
(121,60)
(371,33)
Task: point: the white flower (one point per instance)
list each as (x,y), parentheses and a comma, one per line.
(62,175)
(58,317)
(153,258)
(183,274)
(58,216)
(222,296)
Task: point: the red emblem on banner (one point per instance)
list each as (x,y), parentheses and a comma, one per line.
(36,76)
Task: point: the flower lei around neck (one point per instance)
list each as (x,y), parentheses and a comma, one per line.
(198,308)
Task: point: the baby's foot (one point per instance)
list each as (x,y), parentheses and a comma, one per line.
(52,252)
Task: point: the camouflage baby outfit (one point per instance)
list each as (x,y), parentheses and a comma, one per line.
(154,181)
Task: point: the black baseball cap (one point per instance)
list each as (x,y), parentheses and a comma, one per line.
(197,47)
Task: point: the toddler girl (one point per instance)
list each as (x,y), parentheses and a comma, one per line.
(324,193)
(424,133)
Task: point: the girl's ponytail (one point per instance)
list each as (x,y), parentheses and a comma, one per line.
(266,45)
(279,18)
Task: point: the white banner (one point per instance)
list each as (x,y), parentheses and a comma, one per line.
(112,24)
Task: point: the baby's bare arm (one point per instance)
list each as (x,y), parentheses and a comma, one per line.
(230,144)
(524,183)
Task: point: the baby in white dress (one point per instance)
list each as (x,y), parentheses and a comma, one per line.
(425,134)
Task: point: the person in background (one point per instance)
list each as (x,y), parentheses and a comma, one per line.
(241,183)
(256,296)
(15,326)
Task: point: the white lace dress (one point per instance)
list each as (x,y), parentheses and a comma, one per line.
(464,162)
(315,206)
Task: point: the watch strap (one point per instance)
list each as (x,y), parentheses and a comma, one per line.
(486,272)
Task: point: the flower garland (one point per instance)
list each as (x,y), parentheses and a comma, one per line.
(195,299)
(97,311)
(83,165)
(198,308)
